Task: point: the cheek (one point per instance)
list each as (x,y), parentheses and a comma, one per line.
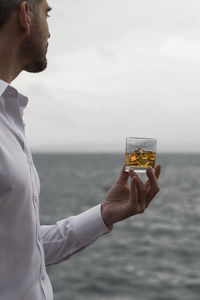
(46,30)
(42,31)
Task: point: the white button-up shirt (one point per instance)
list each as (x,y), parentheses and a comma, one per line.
(25,246)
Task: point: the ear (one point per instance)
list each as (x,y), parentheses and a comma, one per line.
(25,17)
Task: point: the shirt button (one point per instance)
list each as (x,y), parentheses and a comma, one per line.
(42,277)
(29,160)
(35,198)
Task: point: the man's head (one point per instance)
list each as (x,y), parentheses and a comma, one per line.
(28,20)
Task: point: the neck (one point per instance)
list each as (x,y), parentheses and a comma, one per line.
(9,68)
(10,65)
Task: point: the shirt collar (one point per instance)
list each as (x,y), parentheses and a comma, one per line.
(3,86)
(22,99)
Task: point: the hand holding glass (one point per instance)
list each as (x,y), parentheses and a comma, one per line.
(140,153)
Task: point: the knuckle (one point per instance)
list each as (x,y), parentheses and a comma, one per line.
(157,189)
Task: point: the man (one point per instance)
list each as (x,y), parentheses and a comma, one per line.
(26,247)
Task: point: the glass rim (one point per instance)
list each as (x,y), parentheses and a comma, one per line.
(141,138)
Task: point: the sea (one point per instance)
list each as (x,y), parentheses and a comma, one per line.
(151,256)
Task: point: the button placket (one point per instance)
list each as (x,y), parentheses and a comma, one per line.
(36,198)
(29,160)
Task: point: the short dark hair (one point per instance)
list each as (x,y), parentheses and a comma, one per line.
(8,6)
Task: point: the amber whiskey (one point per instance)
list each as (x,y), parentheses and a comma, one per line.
(140,158)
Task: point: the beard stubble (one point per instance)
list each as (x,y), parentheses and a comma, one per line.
(34,50)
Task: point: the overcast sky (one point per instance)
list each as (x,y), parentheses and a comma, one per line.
(117,68)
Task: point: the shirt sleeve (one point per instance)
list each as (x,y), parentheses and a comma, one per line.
(70,235)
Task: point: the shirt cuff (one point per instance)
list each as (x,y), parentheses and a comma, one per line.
(89,225)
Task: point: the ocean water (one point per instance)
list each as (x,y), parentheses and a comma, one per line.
(153,256)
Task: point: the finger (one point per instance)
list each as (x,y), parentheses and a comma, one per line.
(157,171)
(132,173)
(157,174)
(141,190)
(152,178)
(123,177)
(134,192)
(153,184)
(141,193)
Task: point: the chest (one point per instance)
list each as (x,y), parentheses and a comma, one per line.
(17,172)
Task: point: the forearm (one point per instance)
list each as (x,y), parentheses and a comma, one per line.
(70,235)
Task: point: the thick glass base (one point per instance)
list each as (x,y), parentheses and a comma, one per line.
(136,169)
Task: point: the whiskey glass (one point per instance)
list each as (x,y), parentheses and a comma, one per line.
(140,153)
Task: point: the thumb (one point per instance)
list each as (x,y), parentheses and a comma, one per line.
(123,177)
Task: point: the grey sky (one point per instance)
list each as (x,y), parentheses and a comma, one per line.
(117,68)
